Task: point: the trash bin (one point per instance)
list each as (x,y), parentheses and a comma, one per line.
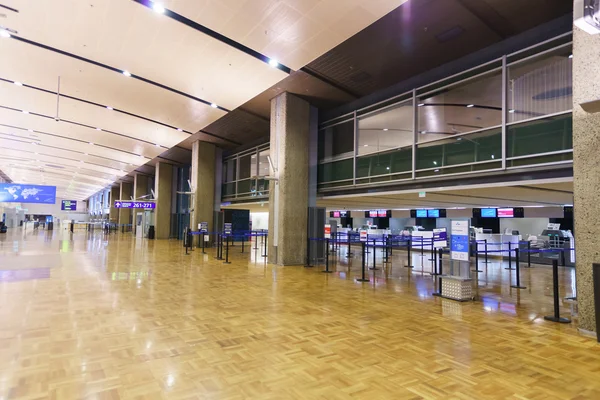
(151,232)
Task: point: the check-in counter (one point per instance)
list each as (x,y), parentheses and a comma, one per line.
(497,243)
(421,239)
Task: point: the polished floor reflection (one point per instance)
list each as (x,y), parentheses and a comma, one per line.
(112,317)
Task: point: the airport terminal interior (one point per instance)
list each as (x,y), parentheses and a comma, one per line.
(299,199)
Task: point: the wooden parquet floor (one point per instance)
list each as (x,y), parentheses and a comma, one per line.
(88,318)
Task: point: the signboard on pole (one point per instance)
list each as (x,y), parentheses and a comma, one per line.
(203,227)
(134,204)
(363,235)
(227,228)
(459,242)
(327,231)
(440,238)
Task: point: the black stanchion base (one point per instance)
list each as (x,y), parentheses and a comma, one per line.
(226,262)
(264,256)
(476,270)
(560,320)
(408,266)
(510,269)
(362,280)
(486,262)
(374,268)
(518,287)
(434,274)
(308,266)
(327,272)
(218,258)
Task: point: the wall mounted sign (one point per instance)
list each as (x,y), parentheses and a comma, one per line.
(134,204)
(21,193)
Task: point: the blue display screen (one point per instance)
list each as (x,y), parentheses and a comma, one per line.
(22,193)
(488,213)
(421,213)
(433,213)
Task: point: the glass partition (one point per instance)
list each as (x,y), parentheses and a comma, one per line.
(337,141)
(386,130)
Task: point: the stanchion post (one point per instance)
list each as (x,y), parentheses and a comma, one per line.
(243,237)
(486,251)
(528,254)
(387,249)
(202,240)
(408,246)
(509,255)
(227,250)
(476,259)
(265,239)
(327,257)
(439,292)
(556,317)
(363,278)
(518,271)
(349,236)
(374,267)
(308,252)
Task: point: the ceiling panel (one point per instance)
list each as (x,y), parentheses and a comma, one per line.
(293,32)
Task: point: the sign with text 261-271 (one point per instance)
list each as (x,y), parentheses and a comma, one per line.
(134,204)
(22,193)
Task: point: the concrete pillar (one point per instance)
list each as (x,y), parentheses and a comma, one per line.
(163,184)
(140,188)
(586,170)
(125,194)
(115,194)
(203,182)
(288,198)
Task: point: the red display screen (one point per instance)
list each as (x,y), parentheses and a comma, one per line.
(506,213)
(382,213)
(373,214)
(336,214)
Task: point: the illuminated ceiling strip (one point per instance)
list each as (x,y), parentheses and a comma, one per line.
(85,126)
(72,139)
(118,70)
(217,36)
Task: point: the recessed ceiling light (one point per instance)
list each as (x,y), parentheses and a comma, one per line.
(459,139)
(92,143)
(81,161)
(436,170)
(366,145)
(33,143)
(179,130)
(18,83)
(420,104)
(4,33)
(157,145)
(570,55)
(109,108)
(98,129)
(511,111)
(85,154)
(126,73)
(213,105)
(36,153)
(423,132)
(435,163)
(29,130)
(387,168)
(385,129)
(25,112)
(273,63)
(493,157)
(470,105)
(158,8)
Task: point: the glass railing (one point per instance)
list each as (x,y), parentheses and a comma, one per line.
(246,188)
(477,151)
(337,173)
(541,141)
(382,167)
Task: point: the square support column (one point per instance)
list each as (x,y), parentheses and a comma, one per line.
(288,197)
(586,170)
(125,194)
(203,182)
(163,188)
(115,194)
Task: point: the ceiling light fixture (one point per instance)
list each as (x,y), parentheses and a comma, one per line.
(25,112)
(423,132)
(126,73)
(493,157)
(18,83)
(366,145)
(91,143)
(511,111)
(420,105)
(435,163)
(109,108)
(213,105)
(158,8)
(385,129)
(157,145)
(470,105)
(570,55)
(273,63)
(179,130)
(4,33)
(98,129)
(459,138)
(29,130)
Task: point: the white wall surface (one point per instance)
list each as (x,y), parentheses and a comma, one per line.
(525,226)
(54,210)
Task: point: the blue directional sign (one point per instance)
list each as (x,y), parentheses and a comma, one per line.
(22,193)
(134,204)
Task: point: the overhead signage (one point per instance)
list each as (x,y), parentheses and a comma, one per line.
(227,228)
(506,213)
(327,231)
(68,205)
(134,204)
(22,193)
(488,213)
(339,214)
(378,214)
(440,238)
(433,213)
(421,213)
(459,241)
(422,194)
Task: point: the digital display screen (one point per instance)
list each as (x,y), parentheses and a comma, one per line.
(373,214)
(421,213)
(336,214)
(506,213)
(22,193)
(488,213)
(68,205)
(433,213)
(382,213)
